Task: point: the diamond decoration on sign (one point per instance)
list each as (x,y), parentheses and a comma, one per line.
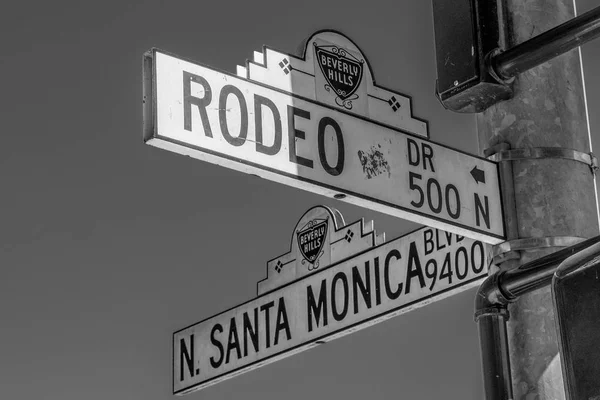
(349,236)
(394,103)
(285,66)
(279,266)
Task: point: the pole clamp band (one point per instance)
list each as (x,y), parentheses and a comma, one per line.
(529,153)
(499,250)
(492,311)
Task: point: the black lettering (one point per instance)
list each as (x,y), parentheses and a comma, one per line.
(217,344)
(386,275)
(431,273)
(282,322)
(265,308)
(250,332)
(414,267)
(187,356)
(427,155)
(316,309)
(447,269)
(437,240)
(294,134)
(260,101)
(377,283)
(463,251)
(428,240)
(437,208)
(201,103)
(233,342)
(414,186)
(340,276)
(456,213)
(364,286)
(241,138)
(481,257)
(448,238)
(339,167)
(412,145)
(479,208)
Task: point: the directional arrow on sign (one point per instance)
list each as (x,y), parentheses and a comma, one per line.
(285,130)
(478,175)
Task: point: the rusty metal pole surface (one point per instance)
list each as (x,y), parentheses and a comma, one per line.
(553,197)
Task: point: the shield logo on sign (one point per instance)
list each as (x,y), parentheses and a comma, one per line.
(311,239)
(342,72)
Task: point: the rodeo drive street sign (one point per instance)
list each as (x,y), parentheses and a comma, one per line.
(320,123)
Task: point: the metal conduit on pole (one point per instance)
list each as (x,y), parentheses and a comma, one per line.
(491,312)
(547,45)
(491,315)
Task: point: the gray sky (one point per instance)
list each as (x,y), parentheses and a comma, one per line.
(108,246)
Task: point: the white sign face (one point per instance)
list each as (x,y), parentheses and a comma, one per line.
(304,302)
(320,124)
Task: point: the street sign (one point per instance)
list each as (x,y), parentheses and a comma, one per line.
(336,279)
(320,123)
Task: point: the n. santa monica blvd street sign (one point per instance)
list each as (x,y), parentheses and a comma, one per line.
(321,124)
(335,279)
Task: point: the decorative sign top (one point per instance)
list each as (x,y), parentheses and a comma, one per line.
(321,238)
(333,71)
(335,280)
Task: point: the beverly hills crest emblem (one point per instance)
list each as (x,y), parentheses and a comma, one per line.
(319,239)
(331,70)
(311,239)
(342,71)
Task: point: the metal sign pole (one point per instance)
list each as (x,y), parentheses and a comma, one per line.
(555,199)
